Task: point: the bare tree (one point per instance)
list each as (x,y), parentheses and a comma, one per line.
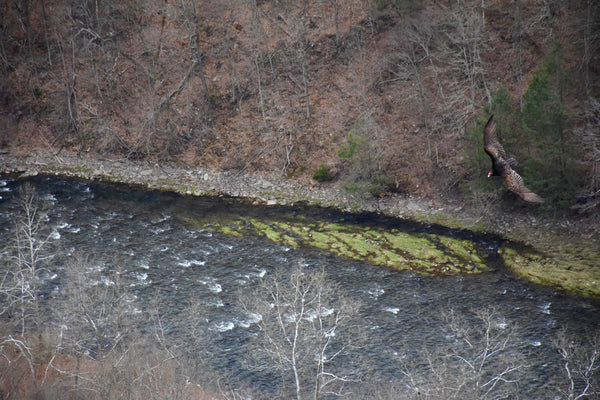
(415,64)
(591,42)
(25,347)
(589,135)
(21,277)
(24,14)
(518,32)
(192,24)
(465,35)
(481,363)
(101,324)
(189,350)
(257,33)
(581,365)
(303,323)
(95,307)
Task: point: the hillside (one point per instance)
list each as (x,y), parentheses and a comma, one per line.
(383,94)
(372,106)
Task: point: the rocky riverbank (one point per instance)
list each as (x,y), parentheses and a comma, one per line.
(561,251)
(261,189)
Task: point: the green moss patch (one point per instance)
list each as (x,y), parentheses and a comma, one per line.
(560,264)
(423,253)
(576,270)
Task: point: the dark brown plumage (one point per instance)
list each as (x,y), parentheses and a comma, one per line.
(501,166)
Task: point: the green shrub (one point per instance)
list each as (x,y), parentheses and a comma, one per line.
(352,187)
(37,91)
(348,151)
(375,189)
(323,174)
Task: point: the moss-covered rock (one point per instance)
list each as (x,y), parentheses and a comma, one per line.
(423,253)
(574,270)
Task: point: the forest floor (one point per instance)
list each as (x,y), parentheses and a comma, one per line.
(562,250)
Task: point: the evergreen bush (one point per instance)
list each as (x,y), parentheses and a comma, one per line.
(540,137)
(323,174)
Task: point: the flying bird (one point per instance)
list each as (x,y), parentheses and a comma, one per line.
(501,166)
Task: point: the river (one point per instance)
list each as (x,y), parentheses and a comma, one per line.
(147,235)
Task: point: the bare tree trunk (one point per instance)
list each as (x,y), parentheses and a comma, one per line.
(288,147)
(70,92)
(160,37)
(200,69)
(45,23)
(24,17)
(589,135)
(305,84)
(302,49)
(588,42)
(193,25)
(236,91)
(257,33)
(261,101)
(518,39)
(336,18)
(3,56)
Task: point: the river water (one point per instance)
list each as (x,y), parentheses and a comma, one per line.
(145,233)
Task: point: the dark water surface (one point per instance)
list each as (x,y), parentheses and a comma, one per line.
(146,233)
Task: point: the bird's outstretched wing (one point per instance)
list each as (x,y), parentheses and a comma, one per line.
(515,184)
(502,166)
(490,141)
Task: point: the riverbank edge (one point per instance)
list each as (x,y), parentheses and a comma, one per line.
(522,227)
(258,189)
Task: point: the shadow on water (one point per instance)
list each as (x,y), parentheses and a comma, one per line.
(149,234)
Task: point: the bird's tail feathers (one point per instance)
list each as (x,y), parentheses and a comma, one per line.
(531,197)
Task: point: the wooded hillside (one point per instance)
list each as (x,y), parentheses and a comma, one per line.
(382,95)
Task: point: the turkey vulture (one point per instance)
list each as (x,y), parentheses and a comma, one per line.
(501,166)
